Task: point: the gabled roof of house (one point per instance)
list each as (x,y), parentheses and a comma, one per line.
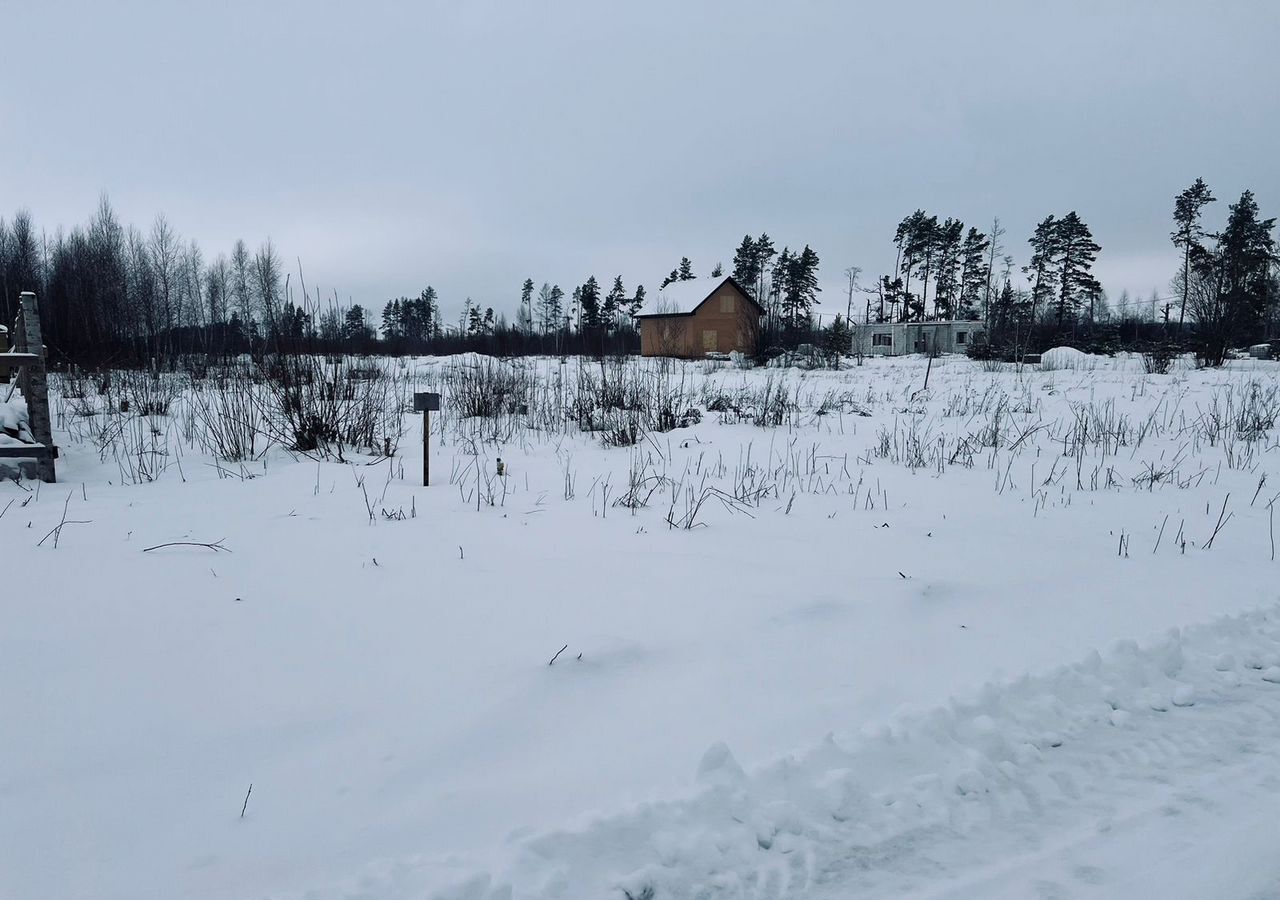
(682,298)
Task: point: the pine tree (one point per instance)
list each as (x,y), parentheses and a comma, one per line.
(1245,254)
(686,269)
(421,316)
(391,320)
(557,304)
(778,275)
(637,302)
(916,240)
(1077,252)
(800,289)
(673,277)
(890,290)
(354,328)
(1010,316)
(946,290)
(837,339)
(1042,267)
(526,305)
(929,250)
(718,271)
(613,301)
(764,252)
(746,263)
(589,303)
(973,273)
(1187,236)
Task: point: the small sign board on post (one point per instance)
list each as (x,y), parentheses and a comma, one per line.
(426,403)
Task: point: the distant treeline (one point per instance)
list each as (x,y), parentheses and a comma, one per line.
(113,294)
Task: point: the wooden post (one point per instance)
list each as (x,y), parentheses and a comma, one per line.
(426,448)
(33,382)
(425,403)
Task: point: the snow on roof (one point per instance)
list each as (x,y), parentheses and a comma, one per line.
(681,297)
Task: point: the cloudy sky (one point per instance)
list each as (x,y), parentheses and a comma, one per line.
(469,145)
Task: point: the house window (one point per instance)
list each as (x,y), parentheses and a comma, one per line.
(962,337)
(709,340)
(726,303)
(883,339)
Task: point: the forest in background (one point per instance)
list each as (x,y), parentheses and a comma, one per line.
(114,294)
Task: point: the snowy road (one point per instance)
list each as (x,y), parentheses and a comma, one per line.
(1142,772)
(1184,805)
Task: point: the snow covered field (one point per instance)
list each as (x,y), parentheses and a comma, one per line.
(1012,636)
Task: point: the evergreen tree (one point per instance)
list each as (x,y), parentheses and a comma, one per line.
(837,340)
(557,302)
(1187,236)
(637,302)
(614,302)
(391,320)
(686,269)
(746,264)
(973,273)
(890,296)
(1240,271)
(800,289)
(526,305)
(421,317)
(916,240)
(718,271)
(673,277)
(354,328)
(1077,252)
(589,303)
(1042,268)
(946,290)
(764,252)
(928,237)
(778,275)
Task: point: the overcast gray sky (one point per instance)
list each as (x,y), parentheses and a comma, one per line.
(469,145)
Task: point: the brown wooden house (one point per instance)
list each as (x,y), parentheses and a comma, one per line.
(692,318)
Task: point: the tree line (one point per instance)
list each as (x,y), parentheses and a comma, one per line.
(112,293)
(1226,293)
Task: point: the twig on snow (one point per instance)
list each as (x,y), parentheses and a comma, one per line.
(215,546)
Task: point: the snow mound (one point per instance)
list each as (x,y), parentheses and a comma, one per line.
(14,422)
(1067,358)
(1038,745)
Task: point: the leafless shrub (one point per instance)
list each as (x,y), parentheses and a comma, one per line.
(145,394)
(322,407)
(227,410)
(1157,359)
